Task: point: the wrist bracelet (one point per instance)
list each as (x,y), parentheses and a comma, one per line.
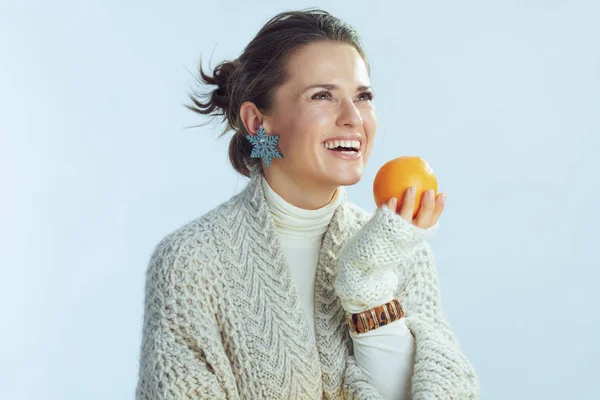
(375,317)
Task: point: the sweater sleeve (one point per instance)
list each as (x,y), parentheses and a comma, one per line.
(180,357)
(440,368)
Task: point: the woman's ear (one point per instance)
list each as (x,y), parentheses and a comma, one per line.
(251,117)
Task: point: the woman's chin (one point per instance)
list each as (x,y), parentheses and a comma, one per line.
(346,176)
(348,182)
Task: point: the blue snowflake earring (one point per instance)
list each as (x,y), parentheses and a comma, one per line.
(264,146)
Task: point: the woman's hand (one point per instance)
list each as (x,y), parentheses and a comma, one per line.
(429,213)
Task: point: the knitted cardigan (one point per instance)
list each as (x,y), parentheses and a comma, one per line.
(223,319)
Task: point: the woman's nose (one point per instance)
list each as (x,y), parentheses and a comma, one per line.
(350,115)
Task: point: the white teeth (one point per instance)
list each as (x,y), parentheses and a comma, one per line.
(332,144)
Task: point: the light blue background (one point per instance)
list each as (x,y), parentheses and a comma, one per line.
(502,98)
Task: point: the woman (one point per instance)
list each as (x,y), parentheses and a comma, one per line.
(270,295)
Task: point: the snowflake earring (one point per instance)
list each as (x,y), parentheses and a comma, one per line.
(264,146)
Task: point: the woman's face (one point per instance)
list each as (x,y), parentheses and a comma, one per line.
(324,107)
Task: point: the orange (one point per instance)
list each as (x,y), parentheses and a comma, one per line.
(399,174)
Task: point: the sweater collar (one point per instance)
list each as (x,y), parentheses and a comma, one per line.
(255,194)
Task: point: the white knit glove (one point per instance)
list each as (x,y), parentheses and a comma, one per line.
(368,261)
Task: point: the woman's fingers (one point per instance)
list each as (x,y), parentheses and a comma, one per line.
(423,219)
(392,204)
(408,204)
(440,201)
(430,209)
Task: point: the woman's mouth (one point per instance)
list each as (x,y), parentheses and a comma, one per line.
(345,149)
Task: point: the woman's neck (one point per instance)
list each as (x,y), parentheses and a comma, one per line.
(303,194)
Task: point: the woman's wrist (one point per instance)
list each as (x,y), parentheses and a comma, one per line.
(375,317)
(362,288)
(354,306)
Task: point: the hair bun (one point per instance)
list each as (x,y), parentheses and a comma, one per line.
(218,101)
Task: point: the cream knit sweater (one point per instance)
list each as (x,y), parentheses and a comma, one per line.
(386,355)
(223,319)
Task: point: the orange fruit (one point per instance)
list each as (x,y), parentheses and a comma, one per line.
(397,175)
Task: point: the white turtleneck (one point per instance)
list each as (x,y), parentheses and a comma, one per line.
(386,354)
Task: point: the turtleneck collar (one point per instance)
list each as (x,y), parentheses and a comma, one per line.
(296,226)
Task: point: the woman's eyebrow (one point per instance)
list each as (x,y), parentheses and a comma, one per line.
(331,86)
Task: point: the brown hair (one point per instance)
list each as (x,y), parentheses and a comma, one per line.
(260,69)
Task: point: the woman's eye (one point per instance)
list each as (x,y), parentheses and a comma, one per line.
(321,96)
(366,96)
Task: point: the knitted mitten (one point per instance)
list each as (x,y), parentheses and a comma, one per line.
(367,264)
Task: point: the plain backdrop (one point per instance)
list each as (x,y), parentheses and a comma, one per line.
(502,98)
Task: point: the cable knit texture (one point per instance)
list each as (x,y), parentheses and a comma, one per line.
(223,319)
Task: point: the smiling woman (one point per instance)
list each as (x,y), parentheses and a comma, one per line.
(305,78)
(287,290)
